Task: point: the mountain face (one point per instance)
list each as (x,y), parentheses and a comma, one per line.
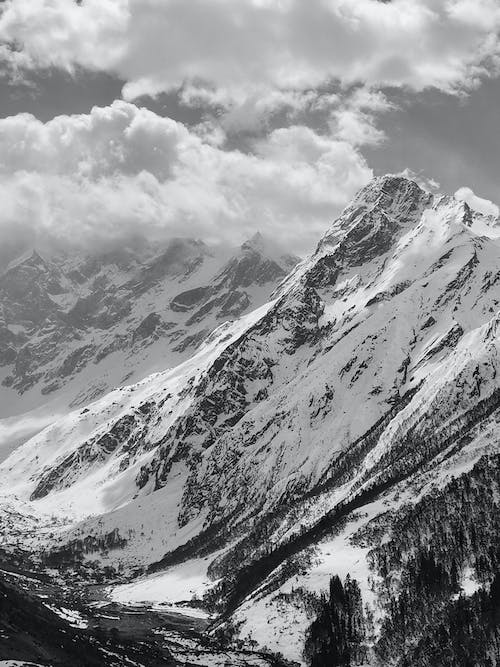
(72,328)
(322,475)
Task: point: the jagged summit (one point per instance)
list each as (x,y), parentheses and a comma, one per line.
(391,212)
(394,186)
(257,243)
(384,200)
(30,257)
(268,247)
(401,195)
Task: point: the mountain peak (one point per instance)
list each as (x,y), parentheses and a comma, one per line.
(256,243)
(269,249)
(374,219)
(29,258)
(391,190)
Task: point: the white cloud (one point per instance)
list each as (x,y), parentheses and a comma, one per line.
(120,170)
(246,46)
(484,15)
(93,177)
(354,118)
(477,203)
(252,113)
(426,182)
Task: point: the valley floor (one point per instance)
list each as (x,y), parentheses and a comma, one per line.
(115,634)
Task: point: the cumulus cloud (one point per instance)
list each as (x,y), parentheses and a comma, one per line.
(249,45)
(122,170)
(353,119)
(477,203)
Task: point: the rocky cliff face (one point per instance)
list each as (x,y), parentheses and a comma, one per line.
(307,441)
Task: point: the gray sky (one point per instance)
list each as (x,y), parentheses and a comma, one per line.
(453,140)
(216,119)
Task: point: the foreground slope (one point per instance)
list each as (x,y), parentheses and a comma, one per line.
(301,442)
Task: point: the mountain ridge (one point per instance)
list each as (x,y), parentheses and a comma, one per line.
(366,386)
(75,326)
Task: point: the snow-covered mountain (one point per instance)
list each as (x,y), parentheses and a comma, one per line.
(74,327)
(322,475)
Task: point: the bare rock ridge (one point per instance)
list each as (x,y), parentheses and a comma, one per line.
(324,467)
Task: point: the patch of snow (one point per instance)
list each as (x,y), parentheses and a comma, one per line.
(73,617)
(180,583)
(468,583)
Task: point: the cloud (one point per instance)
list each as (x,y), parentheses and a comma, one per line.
(120,170)
(123,170)
(251,45)
(484,15)
(477,203)
(14,431)
(426,182)
(354,118)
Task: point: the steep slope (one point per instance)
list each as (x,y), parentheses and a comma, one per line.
(289,447)
(72,328)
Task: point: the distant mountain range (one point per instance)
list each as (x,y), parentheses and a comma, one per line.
(320,473)
(74,327)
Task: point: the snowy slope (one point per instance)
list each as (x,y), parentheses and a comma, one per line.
(368,384)
(74,327)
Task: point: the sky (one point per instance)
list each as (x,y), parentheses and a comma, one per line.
(219,118)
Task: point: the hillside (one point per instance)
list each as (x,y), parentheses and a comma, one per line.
(321,476)
(75,326)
